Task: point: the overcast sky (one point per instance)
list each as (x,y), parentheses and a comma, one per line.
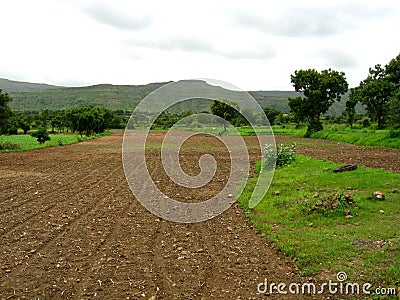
(254,45)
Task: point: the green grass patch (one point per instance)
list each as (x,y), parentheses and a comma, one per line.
(358,136)
(27,142)
(290,129)
(342,133)
(307,220)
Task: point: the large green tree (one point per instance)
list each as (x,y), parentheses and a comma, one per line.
(5,111)
(376,92)
(350,107)
(89,119)
(271,114)
(393,73)
(320,90)
(227,110)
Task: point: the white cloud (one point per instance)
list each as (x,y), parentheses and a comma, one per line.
(254,44)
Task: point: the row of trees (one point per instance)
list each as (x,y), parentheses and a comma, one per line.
(379,93)
(86,119)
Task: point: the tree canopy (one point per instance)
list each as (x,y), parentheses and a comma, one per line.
(5,111)
(380,92)
(320,90)
(229,111)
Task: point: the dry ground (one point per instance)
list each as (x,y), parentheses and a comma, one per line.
(71,229)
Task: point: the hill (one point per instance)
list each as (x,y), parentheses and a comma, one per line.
(36,97)
(114,97)
(20,86)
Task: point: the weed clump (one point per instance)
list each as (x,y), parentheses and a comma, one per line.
(334,202)
(282,156)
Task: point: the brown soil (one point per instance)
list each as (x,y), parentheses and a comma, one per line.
(71,229)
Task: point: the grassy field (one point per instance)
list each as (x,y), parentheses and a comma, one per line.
(27,142)
(339,132)
(304,215)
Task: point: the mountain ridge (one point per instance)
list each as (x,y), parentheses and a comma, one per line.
(38,96)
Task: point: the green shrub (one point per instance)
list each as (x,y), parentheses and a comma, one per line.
(9,146)
(394,133)
(366,122)
(280,157)
(41,135)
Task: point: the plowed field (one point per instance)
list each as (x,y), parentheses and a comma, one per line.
(71,229)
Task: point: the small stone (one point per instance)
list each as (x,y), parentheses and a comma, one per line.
(378,195)
(230,196)
(179,248)
(51,216)
(311,224)
(277,193)
(348,196)
(8,271)
(381,211)
(349,216)
(394,191)
(347,212)
(201,250)
(229,228)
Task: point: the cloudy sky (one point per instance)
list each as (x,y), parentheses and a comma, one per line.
(254,45)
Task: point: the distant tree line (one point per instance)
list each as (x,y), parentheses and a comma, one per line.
(84,120)
(379,93)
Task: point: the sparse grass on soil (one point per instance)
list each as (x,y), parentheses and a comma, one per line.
(27,142)
(338,132)
(320,238)
(342,133)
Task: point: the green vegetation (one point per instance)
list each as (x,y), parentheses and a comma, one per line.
(41,135)
(19,86)
(320,90)
(380,93)
(112,97)
(5,112)
(122,98)
(370,136)
(331,222)
(26,142)
(279,157)
(229,111)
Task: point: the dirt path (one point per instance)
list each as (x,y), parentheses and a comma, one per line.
(71,229)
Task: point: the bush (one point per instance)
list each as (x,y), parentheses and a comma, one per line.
(283,155)
(9,146)
(394,133)
(366,122)
(41,135)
